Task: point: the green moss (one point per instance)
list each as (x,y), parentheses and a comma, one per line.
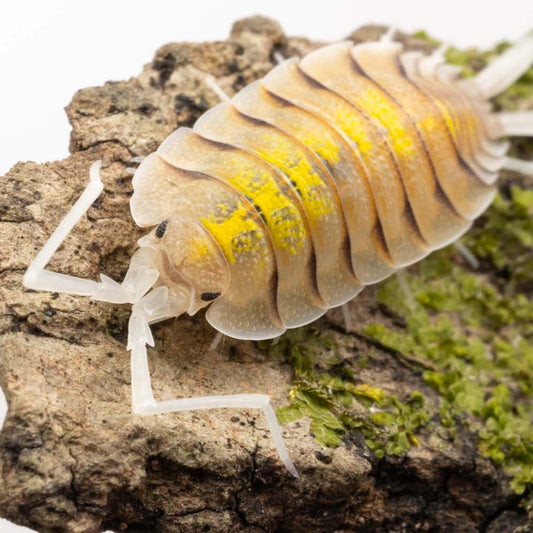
(472,334)
(424,36)
(478,337)
(506,237)
(326,391)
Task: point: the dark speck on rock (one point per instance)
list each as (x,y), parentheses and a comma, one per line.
(146,109)
(164,66)
(323,458)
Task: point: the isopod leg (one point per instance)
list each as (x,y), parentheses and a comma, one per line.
(467,254)
(505,69)
(36,276)
(347,317)
(517,165)
(216,88)
(216,340)
(158,305)
(404,287)
(138,279)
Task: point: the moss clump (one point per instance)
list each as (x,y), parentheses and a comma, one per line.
(509,246)
(424,36)
(479,338)
(326,391)
(475,331)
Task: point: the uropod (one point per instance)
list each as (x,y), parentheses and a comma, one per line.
(331,173)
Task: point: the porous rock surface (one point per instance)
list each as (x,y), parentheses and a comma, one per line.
(72,456)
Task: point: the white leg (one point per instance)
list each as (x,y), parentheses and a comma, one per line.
(39,279)
(438,55)
(505,69)
(278,57)
(216,341)
(404,286)
(215,87)
(388,36)
(517,165)
(517,123)
(346,315)
(136,159)
(152,308)
(468,256)
(138,280)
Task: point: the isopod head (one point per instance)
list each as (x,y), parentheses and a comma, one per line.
(189,262)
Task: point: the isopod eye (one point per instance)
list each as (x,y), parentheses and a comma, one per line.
(209,296)
(160,231)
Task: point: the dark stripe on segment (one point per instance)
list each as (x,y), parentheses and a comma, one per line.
(250,209)
(320,86)
(379,240)
(280,99)
(413,224)
(326,178)
(429,99)
(263,123)
(270,168)
(440,193)
(464,164)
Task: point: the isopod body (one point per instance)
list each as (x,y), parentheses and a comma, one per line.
(329,174)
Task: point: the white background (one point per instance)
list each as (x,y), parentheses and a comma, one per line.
(51,48)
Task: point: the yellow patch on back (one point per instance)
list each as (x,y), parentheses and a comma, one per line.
(288,231)
(379,106)
(428,123)
(447,118)
(353,126)
(323,146)
(315,194)
(234,230)
(469,120)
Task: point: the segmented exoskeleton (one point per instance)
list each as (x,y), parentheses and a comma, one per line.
(329,174)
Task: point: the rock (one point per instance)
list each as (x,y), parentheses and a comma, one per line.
(74,458)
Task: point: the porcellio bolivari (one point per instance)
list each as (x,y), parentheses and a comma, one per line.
(329,174)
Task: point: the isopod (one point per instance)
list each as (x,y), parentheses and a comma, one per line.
(329,174)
